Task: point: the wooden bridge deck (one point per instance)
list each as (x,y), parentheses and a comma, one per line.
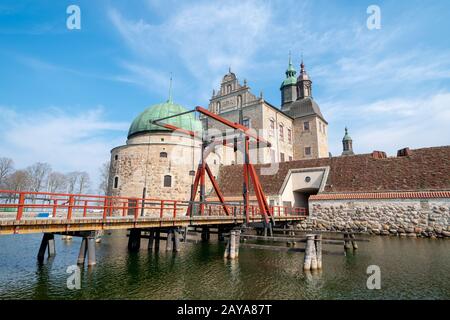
(32,212)
(56,225)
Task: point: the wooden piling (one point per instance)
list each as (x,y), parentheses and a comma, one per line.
(319,250)
(205,234)
(151,239)
(169,241)
(134,240)
(45,245)
(176,240)
(226,254)
(83,251)
(91,251)
(354,244)
(157,239)
(237,242)
(347,245)
(232,254)
(51,246)
(310,262)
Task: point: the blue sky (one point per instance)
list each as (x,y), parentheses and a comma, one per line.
(68,96)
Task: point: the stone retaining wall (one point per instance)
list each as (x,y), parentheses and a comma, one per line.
(398,217)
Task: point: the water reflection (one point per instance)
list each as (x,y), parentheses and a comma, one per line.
(410,269)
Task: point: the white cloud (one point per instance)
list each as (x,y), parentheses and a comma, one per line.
(392,124)
(207,37)
(78,141)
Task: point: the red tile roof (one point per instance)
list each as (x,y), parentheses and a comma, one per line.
(426,169)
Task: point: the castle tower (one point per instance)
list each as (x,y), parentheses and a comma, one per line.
(304,84)
(347,144)
(289,86)
(309,126)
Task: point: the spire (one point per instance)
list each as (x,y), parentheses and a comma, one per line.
(290,72)
(304,83)
(347,144)
(170,100)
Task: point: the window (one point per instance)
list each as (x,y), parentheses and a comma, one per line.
(192,173)
(306,126)
(239,101)
(167,181)
(116,182)
(246,122)
(307,151)
(290,158)
(218,107)
(272,127)
(289,132)
(281,157)
(272,155)
(116,157)
(229,88)
(163,155)
(281,131)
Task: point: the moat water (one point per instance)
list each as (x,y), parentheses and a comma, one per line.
(410,269)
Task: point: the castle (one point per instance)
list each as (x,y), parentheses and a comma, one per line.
(407,195)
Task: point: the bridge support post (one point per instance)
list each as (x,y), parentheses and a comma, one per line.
(134,240)
(151,239)
(347,245)
(310,262)
(157,239)
(169,241)
(354,244)
(176,240)
(205,234)
(91,250)
(45,245)
(232,254)
(83,251)
(237,242)
(319,250)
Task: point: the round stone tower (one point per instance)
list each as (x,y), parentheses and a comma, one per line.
(157,162)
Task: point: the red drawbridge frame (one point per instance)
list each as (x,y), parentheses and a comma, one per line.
(249,174)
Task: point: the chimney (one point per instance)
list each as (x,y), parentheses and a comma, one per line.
(379,155)
(405,152)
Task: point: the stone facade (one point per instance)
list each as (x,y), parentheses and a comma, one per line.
(396,217)
(290,138)
(148,158)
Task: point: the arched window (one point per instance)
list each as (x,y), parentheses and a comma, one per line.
(167,181)
(116,182)
(163,155)
(218,107)
(229,88)
(116,157)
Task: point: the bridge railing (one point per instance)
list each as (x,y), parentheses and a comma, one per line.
(37,205)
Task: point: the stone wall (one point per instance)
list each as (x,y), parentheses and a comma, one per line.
(395,217)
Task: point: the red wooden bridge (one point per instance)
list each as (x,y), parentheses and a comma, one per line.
(31,212)
(85,215)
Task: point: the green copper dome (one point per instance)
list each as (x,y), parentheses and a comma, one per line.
(347,136)
(290,75)
(143,123)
